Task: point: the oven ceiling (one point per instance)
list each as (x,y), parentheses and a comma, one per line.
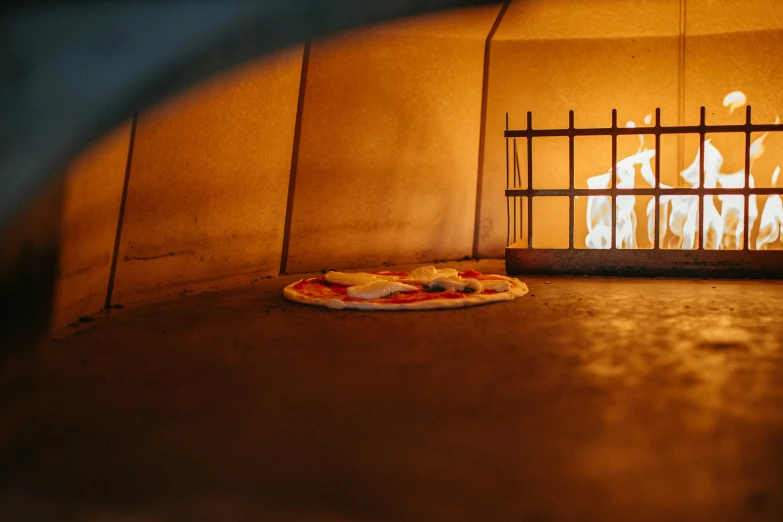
(73,72)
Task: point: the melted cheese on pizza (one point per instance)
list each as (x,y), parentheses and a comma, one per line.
(425,274)
(362,285)
(450,283)
(378,289)
(356,278)
(496,285)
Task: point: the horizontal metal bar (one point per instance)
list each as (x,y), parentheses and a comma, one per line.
(646,262)
(623,131)
(645,192)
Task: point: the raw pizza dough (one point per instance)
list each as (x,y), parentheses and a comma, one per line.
(425,288)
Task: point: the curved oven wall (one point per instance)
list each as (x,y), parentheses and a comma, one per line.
(388,168)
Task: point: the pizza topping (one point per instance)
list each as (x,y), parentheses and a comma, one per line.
(473,285)
(425,274)
(377,289)
(429,277)
(453,283)
(385,274)
(495,285)
(357,278)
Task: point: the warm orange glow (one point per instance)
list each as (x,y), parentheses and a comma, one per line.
(771,219)
(679,215)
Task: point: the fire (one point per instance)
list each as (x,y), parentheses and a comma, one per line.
(771,219)
(679,215)
(735,100)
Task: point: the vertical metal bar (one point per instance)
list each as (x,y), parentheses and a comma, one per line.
(700,233)
(681,91)
(613,197)
(514,161)
(530,179)
(521,200)
(571,180)
(508,202)
(518,183)
(657,232)
(746,224)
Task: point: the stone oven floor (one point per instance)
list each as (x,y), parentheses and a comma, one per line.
(589,399)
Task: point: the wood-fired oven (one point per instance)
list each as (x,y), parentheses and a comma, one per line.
(557,140)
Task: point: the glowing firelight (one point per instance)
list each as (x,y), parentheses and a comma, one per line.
(679,215)
(734,100)
(771,219)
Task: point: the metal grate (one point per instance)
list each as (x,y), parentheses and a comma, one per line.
(656,261)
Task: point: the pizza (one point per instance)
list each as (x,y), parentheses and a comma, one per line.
(425,288)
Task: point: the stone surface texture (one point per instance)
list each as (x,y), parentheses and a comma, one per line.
(389,150)
(88,227)
(589,399)
(209,182)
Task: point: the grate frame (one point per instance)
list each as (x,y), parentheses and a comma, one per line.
(656,261)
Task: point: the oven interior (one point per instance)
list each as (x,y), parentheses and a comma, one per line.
(175,383)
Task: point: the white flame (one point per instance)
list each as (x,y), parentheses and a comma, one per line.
(679,215)
(757,147)
(734,100)
(734,208)
(771,219)
(769,230)
(599,230)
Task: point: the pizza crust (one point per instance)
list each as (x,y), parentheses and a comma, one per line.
(518,289)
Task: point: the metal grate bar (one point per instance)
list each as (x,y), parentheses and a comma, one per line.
(657,243)
(613,202)
(514,159)
(571,182)
(508,202)
(745,224)
(644,192)
(530,180)
(700,207)
(518,181)
(657,260)
(623,131)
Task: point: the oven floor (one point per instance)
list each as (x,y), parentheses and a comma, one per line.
(589,399)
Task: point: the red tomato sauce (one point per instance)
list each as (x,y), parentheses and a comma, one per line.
(320,287)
